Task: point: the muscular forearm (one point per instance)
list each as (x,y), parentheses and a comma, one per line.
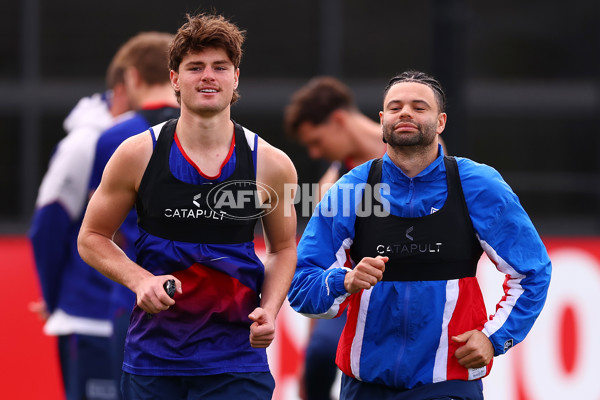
(104,255)
(279,271)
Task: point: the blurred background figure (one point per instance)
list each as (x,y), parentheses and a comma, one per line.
(323,116)
(75,295)
(144,61)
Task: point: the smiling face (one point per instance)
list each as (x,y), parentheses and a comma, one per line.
(206,81)
(411,116)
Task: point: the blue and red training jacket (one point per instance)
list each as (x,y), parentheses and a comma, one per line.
(399,332)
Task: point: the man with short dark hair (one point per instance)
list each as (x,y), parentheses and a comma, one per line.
(323,116)
(397,241)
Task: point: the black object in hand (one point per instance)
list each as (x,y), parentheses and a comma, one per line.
(170,287)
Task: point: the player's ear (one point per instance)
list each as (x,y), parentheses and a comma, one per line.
(339,117)
(174,77)
(236,78)
(441,125)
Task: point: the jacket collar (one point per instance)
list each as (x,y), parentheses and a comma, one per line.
(432,172)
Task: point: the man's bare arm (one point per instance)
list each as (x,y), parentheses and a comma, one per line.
(276,170)
(107,209)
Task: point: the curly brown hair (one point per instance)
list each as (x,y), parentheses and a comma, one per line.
(204,31)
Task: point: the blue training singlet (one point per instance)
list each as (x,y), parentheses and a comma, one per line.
(207,331)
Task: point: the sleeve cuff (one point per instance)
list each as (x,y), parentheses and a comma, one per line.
(338,281)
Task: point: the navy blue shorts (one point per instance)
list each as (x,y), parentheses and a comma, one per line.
(353,389)
(320,370)
(85,368)
(246,386)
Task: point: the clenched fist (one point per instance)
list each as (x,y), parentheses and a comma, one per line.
(365,274)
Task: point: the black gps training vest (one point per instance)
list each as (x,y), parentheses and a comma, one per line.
(438,246)
(219,213)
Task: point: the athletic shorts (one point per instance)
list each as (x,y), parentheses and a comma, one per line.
(353,389)
(85,366)
(245,386)
(320,370)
